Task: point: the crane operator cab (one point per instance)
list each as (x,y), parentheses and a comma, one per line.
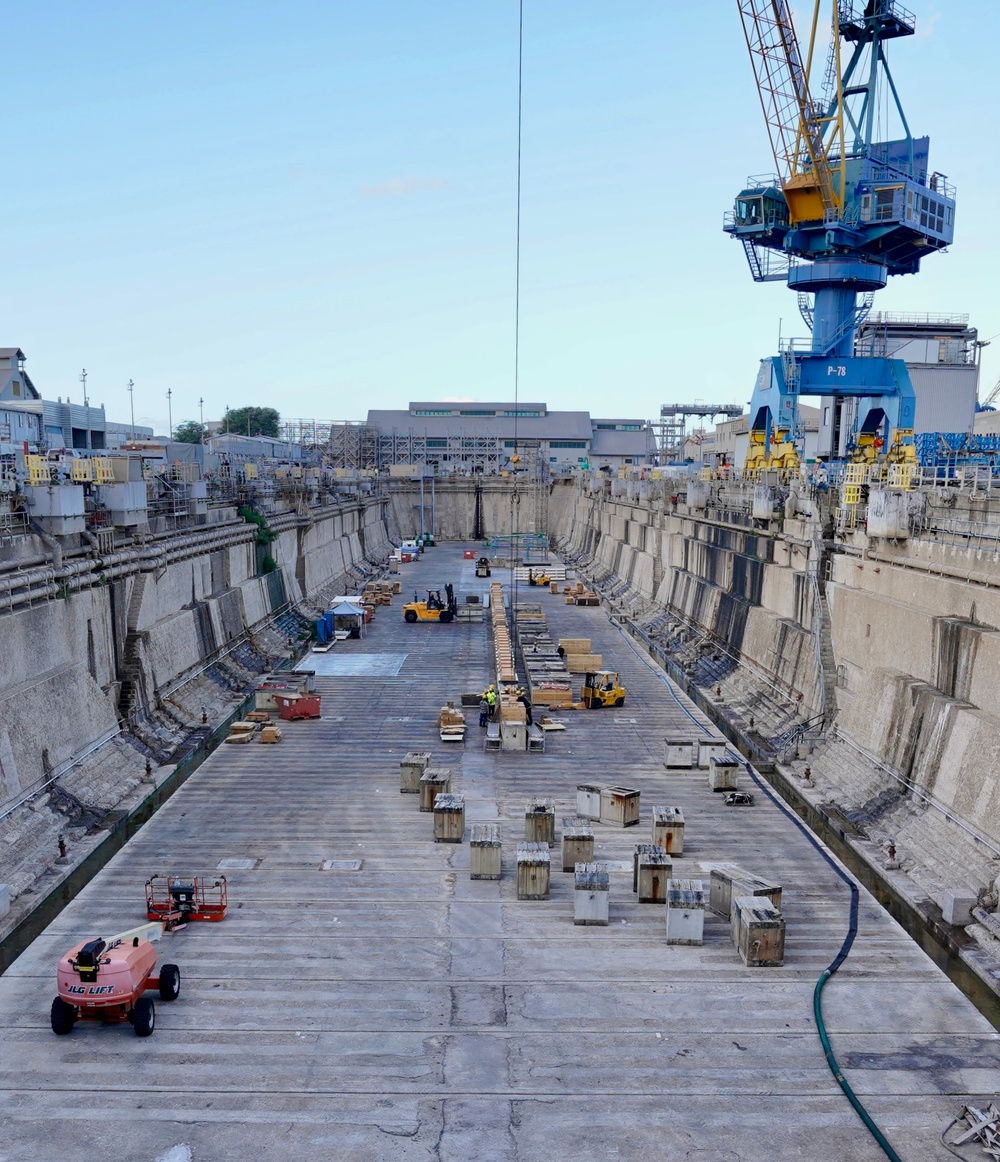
(602,688)
(435,608)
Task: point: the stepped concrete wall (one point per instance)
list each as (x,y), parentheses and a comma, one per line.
(125,661)
(750,590)
(914,629)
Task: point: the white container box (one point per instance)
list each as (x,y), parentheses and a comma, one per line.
(685,912)
(591,894)
(710,748)
(723,775)
(588,801)
(678,753)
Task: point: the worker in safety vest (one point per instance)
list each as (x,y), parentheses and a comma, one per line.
(491,699)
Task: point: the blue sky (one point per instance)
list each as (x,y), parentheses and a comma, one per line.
(311,205)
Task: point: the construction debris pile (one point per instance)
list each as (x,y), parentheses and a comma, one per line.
(451,724)
(981,1126)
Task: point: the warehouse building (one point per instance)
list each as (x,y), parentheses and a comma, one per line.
(482,437)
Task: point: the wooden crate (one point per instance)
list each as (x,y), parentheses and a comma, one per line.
(411,766)
(484,852)
(575,645)
(433,782)
(729,880)
(620,806)
(270,734)
(655,869)
(532,871)
(723,774)
(758,931)
(678,753)
(668,829)
(449,818)
(577,844)
(540,822)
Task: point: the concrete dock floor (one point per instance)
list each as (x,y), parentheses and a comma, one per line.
(404,1011)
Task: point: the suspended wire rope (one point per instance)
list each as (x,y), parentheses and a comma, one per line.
(515,456)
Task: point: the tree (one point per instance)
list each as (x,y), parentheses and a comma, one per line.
(190,432)
(250,421)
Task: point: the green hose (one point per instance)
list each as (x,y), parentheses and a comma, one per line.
(852,931)
(842,1081)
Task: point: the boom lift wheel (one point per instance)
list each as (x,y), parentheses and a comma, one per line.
(144,1016)
(63,1016)
(170,982)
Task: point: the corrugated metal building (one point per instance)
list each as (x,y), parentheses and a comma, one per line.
(482,437)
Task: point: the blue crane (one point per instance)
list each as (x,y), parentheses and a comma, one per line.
(844,212)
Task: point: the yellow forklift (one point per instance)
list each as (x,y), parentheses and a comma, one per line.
(435,608)
(602,688)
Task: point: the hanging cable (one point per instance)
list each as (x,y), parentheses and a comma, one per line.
(515,458)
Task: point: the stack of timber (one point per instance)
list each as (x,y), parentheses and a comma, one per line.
(549,682)
(241,731)
(579,658)
(502,647)
(580,595)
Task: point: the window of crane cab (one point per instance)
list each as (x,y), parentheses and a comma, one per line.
(750,211)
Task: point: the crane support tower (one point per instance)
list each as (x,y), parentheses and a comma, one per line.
(844,212)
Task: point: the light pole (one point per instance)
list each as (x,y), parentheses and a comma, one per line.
(86,405)
(201,418)
(170,414)
(131,407)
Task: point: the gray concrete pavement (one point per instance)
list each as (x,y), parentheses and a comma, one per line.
(403,1011)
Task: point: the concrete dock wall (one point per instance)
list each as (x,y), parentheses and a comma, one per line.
(913,643)
(111,675)
(748,590)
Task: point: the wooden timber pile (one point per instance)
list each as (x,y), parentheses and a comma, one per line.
(549,682)
(503,649)
(579,658)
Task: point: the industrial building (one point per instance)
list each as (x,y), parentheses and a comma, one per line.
(482,437)
(52,425)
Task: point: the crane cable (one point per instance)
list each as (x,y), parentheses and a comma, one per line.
(852,930)
(515,458)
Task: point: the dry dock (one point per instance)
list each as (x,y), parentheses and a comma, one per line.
(404,1011)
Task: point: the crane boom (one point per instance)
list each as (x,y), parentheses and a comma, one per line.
(795,124)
